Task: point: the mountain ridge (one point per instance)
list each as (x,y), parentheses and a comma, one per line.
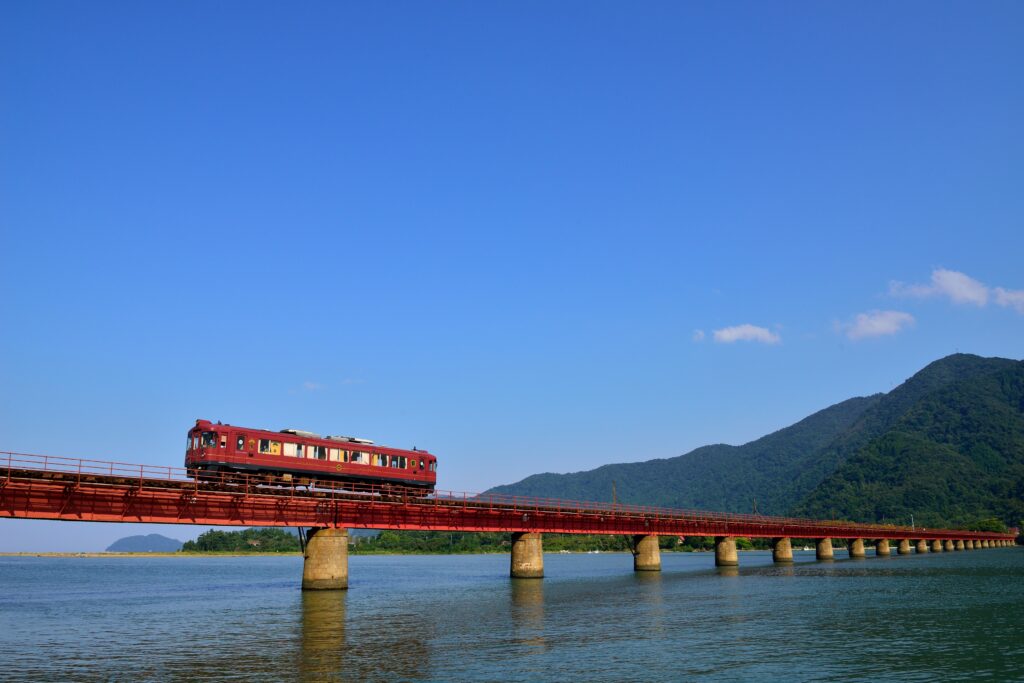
(856,440)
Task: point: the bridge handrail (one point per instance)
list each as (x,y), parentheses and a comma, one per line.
(78,467)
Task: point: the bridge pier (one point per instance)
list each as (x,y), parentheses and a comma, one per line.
(325,560)
(646,553)
(922,546)
(527,556)
(856,548)
(948,546)
(904,547)
(937,546)
(725,552)
(782,551)
(959,545)
(823,550)
(882,548)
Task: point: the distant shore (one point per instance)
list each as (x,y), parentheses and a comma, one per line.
(299,554)
(161,554)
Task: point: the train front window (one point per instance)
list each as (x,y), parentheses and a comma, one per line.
(209,440)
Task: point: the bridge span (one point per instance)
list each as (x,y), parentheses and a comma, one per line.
(56,488)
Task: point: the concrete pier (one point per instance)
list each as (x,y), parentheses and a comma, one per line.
(646,554)
(782,551)
(725,552)
(527,556)
(922,546)
(968,545)
(325,560)
(936,546)
(959,545)
(904,547)
(823,551)
(948,546)
(856,547)
(882,548)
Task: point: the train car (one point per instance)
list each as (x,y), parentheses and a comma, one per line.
(293,453)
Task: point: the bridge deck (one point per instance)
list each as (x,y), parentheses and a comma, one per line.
(47,487)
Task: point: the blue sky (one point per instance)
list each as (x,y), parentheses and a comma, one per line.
(527,236)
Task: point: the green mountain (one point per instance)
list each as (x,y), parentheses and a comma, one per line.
(953,456)
(945,445)
(718,477)
(151,543)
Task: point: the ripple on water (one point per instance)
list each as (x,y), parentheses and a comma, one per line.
(914,618)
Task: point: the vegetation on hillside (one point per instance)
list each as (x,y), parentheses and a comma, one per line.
(244,541)
(946,446)
(759,476)
(956,456)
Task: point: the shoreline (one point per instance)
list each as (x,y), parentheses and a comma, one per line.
(101,554)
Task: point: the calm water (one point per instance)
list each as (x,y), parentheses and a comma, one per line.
(949,616)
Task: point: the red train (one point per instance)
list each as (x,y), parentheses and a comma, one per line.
(215,447)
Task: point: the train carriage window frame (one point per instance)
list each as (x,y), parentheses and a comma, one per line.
(240,442)
(208,440)
(290,450)
(269,447)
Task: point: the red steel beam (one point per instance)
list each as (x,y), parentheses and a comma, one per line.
(73,495)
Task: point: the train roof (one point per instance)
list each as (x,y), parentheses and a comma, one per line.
(303,434)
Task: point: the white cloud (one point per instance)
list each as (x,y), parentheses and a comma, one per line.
(1010,297)
(698,335)
(746,332)
(311,386)
(958,287)
(877,324)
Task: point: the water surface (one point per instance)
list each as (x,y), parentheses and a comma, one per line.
(948,616)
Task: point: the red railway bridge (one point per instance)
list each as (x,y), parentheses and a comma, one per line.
(48,487)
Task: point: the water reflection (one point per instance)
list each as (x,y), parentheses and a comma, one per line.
(323,634)
(527,608)
(731,572)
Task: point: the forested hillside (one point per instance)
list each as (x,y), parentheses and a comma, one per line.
(955,456)
(946,446)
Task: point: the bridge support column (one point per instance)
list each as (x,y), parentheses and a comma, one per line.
(823,551)
(882,548)
(969,545)
(527,556)
(856,546)
(646,554)
(922,546)
(725,552)
(782,551)
(936,546)
(948,546)
(325,560)
(904,547)
(959,545)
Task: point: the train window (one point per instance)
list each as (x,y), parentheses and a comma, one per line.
(223,440)
(271,447)
(289,449)
(317,452)
(421,464)
(209,439)
(240,442)
(401,461)
(334,454)
(188,443)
